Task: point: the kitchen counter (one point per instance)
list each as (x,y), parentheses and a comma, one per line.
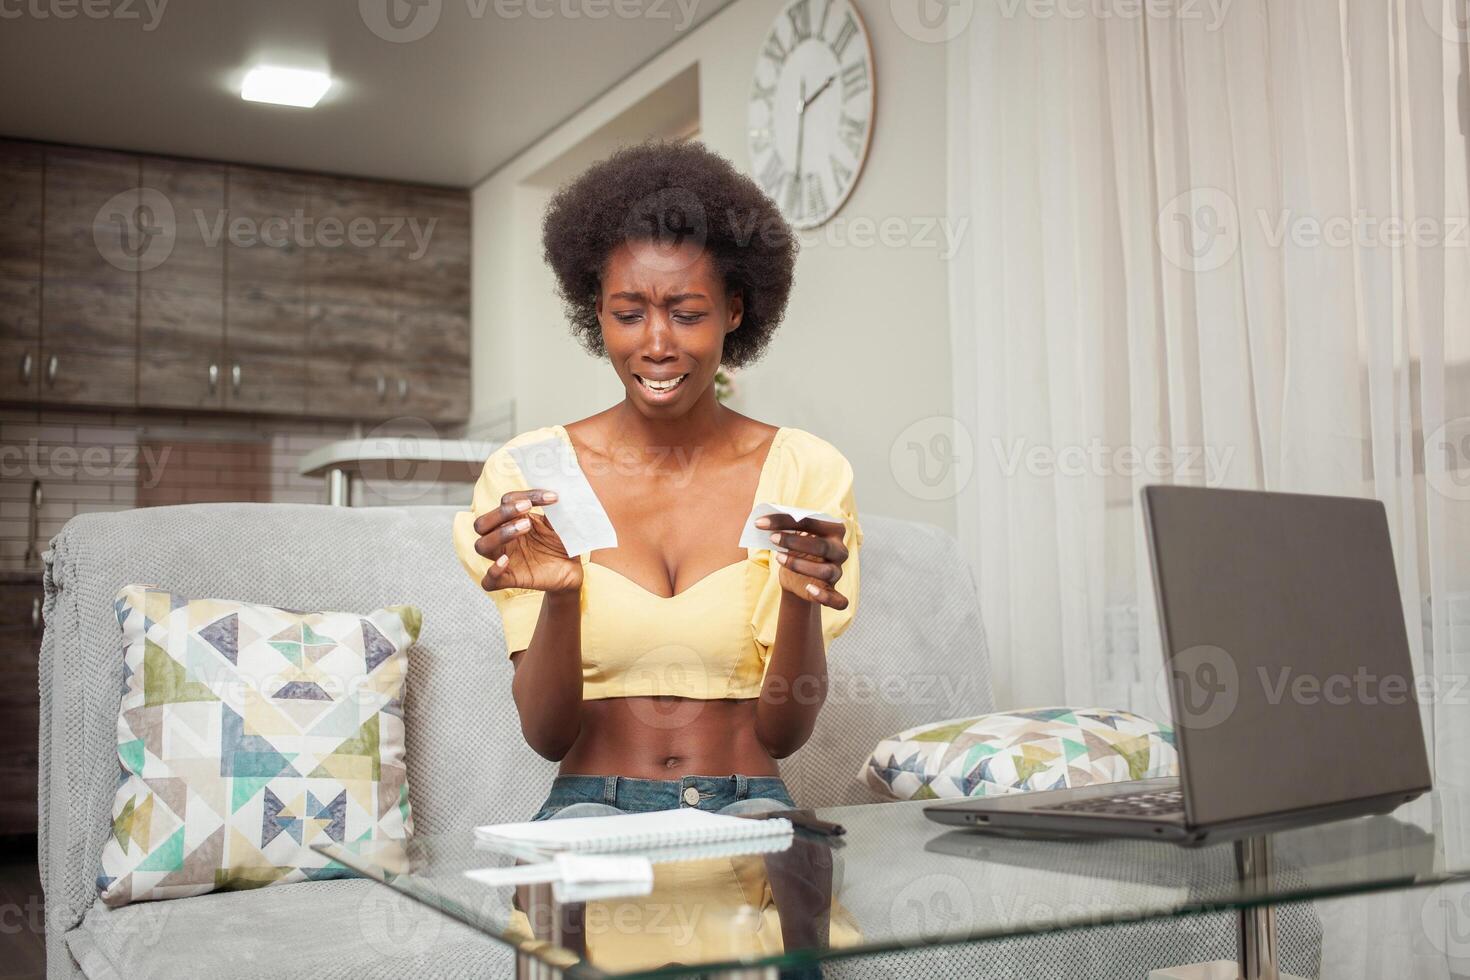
(395,458)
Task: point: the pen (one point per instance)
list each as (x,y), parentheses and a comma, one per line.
(804,820)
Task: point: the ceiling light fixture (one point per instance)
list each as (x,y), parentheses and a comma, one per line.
(285,86)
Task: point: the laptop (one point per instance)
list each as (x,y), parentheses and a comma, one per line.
(1288,674)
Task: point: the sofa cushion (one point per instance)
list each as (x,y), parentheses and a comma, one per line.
(327,930)
(1017,751)
(246,734)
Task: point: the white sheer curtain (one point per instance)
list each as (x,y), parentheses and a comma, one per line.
(1222,251)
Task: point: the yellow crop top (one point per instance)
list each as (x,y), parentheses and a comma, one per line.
(712,640)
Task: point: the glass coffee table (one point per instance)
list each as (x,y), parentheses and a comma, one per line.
(898,895)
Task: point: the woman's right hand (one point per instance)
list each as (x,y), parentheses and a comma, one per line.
(524,551)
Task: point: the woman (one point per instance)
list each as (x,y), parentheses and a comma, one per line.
(676,668)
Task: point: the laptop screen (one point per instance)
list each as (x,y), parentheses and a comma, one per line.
(1291,680)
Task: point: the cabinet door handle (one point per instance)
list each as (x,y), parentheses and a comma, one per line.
(36,613)
(213,378)
(26,365)
(402,388)
(382,388)
(52,366)
(235,378)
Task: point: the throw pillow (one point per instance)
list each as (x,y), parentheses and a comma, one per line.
(1017,751)
(247,733)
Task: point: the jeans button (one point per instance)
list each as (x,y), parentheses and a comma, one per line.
(691,796)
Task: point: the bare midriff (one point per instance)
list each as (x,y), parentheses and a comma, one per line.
(668,738)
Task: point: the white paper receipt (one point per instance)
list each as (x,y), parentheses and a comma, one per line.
(755,537)
(577,516)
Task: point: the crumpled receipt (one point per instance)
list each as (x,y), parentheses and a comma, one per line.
(755,537)
(577,516)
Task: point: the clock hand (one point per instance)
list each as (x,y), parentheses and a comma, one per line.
(813,97)
(800,132)
(800,125)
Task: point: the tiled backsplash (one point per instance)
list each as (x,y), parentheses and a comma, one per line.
(99,461)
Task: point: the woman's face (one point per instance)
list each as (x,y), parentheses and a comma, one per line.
(664,314)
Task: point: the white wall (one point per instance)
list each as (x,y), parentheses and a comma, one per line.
(870,320)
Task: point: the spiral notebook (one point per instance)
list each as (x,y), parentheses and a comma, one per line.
(633,831)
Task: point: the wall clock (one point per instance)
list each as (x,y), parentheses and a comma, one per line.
(811,108)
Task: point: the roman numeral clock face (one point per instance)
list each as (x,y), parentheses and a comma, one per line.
(811,108)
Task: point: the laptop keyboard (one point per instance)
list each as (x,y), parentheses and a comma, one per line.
(1133,804)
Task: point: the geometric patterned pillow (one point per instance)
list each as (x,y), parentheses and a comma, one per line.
(246,733)
(1019,751)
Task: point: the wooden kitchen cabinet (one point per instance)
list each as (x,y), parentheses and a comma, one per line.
(405,352)
(95,234)
(181,306)
(349,367)
(354,288)
(358,243)
(439,278)
(433,346)
(265,291)
(432,339)
(432,391)
(265,383)
(20,212)
(20,703)
(140,280)
(20,265)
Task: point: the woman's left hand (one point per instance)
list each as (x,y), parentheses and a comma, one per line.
(812,564)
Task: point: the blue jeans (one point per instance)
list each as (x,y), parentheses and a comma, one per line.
(594,796)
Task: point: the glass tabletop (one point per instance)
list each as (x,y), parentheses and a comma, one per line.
(896,880)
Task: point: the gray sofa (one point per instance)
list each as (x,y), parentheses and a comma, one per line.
(918,622)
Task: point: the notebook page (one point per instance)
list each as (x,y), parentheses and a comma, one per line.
(657,828)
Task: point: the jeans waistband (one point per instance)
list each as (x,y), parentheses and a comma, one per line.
(610,789)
